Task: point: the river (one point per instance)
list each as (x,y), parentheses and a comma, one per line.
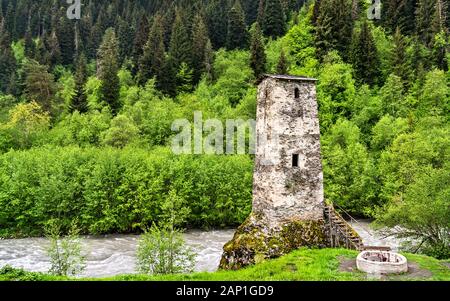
(115,254)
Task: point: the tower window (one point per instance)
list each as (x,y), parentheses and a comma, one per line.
(297,93)
(294,160)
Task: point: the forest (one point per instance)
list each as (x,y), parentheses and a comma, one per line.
(86,108)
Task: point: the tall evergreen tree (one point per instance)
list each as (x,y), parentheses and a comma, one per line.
(79,99)
(208,61)
(107,68)
(29,45)
(200,40)
(258,56)
(180,43)
(424,20)
(66,38)
(39,85)
(140,40)
(151,64)
(274,20)
(125,36)
(399,61)
(334,27)
(7,60)
(237,37)
(365,59)
(282,66)
(399,13)
(53,48)
(217,19)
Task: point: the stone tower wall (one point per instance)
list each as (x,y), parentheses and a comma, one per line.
(288,126)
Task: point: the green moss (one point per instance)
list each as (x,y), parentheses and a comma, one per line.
(252,243)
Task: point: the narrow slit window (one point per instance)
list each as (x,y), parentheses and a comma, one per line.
(297,93)
(294,160)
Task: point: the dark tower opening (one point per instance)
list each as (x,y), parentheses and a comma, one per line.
(294,160)
(297,93)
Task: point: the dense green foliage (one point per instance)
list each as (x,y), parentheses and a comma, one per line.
(89,138)
(301,265)
(110,190)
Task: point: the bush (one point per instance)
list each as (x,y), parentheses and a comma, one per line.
(162,249)
(114,190)
(64,252)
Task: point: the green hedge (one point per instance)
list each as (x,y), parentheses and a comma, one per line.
(118,191)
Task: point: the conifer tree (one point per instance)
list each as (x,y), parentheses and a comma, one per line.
(39,85)
(237,37)
(258,55)
(53,48)
(200,40)
(261,10)
(180,43)
(125,35)
(7,60)
(140,40)
(334,27)
(79,100)
(152,62)
(424,20)
(66,38)
(274,21)
(399,61)
(29,45)
(282,66)
(208,61)
(217,19)
(107,68)
(365,59)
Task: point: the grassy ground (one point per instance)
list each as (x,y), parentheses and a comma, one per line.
(301,265)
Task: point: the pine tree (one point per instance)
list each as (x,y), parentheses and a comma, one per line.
(208,61)
(334,27)
(237,37)
(365,58)
(107,68)
(152,62)
(39,85)
(424,21)
(399,13)
(200,40)
(7,60)
(258,55)
(125,36)
(140,40)
(282,66)
(54,51)
(274,21)
(169,78)
(180,43)
(261,10)
(29,45)
(66,38)
(79,100)
(399,61)
(217,19)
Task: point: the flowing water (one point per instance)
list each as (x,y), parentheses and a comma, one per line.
(115,254)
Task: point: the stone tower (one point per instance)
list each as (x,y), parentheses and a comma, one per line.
(288,203)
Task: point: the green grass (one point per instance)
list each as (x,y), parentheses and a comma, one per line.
(300,265)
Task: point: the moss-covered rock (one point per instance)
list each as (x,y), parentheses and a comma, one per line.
(254,242)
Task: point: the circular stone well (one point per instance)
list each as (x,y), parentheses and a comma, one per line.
(381,262)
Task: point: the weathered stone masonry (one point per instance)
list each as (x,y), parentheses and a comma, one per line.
(288,202)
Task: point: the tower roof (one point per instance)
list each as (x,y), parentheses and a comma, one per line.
(289,77)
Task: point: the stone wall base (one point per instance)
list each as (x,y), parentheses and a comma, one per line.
(254,242)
